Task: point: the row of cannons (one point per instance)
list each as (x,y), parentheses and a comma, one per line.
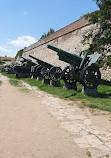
(82,68)
(8,68)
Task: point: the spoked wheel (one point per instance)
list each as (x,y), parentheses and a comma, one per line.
(33,71)
(35,68)
(38,71)
(90,76)
(67,76)
(44,72)
(55,73)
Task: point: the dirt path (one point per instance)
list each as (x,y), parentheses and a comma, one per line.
(27,130)
(37,125)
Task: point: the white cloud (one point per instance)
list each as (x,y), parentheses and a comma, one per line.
(23,41)
(13,46)
(5,50)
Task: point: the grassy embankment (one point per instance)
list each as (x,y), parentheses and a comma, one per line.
(101,101)
(18,83)
(15,82)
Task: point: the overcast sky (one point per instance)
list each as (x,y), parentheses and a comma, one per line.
(22,22)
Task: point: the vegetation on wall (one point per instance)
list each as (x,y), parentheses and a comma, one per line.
(108,62)
(19,53)
(101,39)
(105,62)
(48,33)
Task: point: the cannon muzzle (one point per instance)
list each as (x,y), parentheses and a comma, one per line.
(24,58)
(33,57)
(54,48)
(38,60)
(28,61)
(42,63)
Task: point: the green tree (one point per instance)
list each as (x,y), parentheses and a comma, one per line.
(48,33)
(101,40)
(19,53)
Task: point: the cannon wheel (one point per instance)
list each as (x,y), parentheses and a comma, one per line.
(67,76)
(33,71)
(90,76)
(55,73)
(38,71)
(44,72)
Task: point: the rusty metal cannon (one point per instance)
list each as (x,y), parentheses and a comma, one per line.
(24,70)
(82,69)
(47,71)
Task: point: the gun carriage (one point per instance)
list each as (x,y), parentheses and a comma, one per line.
(47,70)
(81,69)
(24,69)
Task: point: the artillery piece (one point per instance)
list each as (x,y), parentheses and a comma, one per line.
(47,71)
(25,68)
(82,68)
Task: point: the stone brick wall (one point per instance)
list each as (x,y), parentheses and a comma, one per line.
(106,73)
(68,38)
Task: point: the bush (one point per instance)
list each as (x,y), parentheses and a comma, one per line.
(109,61)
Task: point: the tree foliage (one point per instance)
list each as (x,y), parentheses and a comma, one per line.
(19,53)
(101,40)
(48,33)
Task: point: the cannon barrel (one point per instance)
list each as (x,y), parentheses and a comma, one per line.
(33,57)
(65,56)
(23,58)
(28,61)
(42,63)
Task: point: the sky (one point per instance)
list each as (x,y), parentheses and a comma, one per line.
(23,22)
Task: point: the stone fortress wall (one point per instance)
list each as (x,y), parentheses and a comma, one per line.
(68,38)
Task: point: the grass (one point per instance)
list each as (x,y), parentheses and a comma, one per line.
(0,82)
(8,75)
(89,154)
(18,83)
(107,156)
(101,101)
(15,82)
(24,90)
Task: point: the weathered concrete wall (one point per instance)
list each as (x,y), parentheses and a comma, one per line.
(106,73)
(68,38)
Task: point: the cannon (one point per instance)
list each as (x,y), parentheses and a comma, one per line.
(24,70)
(82,69)
(47,71)
(32,66)
(10,70)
